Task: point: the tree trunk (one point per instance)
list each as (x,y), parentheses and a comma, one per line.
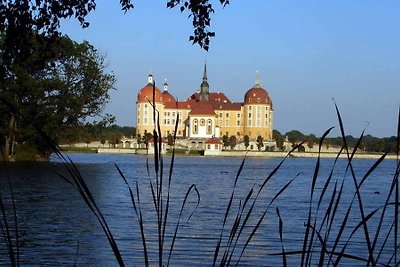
(9,140)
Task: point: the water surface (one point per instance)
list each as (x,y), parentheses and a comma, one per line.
(57,228)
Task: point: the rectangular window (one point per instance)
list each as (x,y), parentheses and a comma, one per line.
(238,115)
(173,114)
(209,146)
(237,123)
(227,115)
(216,147)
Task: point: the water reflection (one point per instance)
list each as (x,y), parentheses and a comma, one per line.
(53,219)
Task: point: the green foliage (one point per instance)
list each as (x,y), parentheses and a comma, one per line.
(26,152)
(170,139)
(232,141)
(295,136)
(200,12)
(55,85)
(260,142)
(310,143)
(114,138)
(225,140)
(146,138)
(279,138)
(246,140)
(19,17)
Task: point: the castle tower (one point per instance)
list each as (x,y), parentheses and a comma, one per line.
(165,86)
(150,79)
(205,88)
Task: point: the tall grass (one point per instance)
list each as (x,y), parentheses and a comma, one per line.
(326,232)
(9,229)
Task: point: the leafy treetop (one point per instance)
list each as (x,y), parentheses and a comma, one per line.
(44,16)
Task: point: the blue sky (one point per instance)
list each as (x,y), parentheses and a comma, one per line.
(306,52)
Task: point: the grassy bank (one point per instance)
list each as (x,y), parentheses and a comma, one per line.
(72,149)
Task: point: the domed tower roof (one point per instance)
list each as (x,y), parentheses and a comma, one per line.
(257,94)
(146,93)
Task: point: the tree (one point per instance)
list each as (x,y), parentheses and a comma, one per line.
(17,17)
(114,138)
(310,143)
(279,139)
(146,138)
(225,140)
(55,85)
(295,136)
(232,141)
(103,140)
(260,142)
(170,139)
(246,140)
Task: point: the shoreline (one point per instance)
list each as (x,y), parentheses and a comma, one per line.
(255,154)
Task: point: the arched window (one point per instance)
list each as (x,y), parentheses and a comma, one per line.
(209,127)
(195,126)
(202,122)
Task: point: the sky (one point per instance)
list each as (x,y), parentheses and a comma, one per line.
(308,54)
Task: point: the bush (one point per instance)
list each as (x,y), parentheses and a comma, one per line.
(26,152)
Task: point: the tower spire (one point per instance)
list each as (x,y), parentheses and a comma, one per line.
(204,88)
(205,71)
(258,81)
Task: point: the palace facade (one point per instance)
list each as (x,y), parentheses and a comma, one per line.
(205,114)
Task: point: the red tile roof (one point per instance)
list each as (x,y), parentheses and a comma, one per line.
(203,108)
(257,95)
(213,141)
(187,104)
(227,106)
(146,94)
(167,97)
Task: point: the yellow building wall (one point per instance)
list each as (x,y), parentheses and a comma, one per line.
(252,120)
(144,117)
(258,121)
(230,122)
(168,120)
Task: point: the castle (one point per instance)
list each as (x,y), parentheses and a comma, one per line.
(205,114)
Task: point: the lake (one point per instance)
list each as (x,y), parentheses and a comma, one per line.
(57,228)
